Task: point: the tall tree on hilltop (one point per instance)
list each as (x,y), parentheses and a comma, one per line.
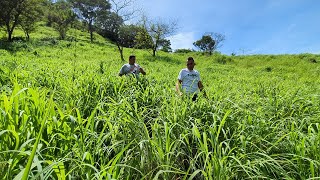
(218,38)
(88,10)
(210,42)
(206,44)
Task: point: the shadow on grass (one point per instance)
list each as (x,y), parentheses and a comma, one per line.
(20,43)
(17,44)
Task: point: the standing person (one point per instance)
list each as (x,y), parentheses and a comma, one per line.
(131,68)
(190,80)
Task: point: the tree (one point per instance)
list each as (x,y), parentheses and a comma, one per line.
(123,8)
(206,44)
(61,16)
(113,24)
(143,40)
(108,24)
(210,42)
(165,45)
(11,11)
(127,35)
(88,10)
(183,50)
(158,31)
(109,27)
(32,14)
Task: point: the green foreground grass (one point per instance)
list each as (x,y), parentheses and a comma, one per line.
(65,114)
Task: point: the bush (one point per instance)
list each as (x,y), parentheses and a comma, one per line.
(313,60)
(183,51)
(222,59)
(268,69)
(50,40)
(304,56)
(15,46)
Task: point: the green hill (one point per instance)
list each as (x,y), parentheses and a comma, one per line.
(65,113)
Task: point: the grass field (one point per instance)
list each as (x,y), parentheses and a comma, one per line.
(65,114)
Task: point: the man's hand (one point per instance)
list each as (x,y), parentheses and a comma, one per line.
(200,86)
(142,71)
(178,87)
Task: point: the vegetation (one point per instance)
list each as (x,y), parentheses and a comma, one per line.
(61,16)
(89,11)
(30,16)
(112,19)
(210,42)
(112,25)
(183,50)
(12,11)
(154,34)
(66,114)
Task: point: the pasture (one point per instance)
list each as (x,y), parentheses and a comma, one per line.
(65,114)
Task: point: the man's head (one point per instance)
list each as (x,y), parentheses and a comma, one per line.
(190,63)
(132,59)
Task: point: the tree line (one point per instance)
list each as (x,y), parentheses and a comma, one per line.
(109,18)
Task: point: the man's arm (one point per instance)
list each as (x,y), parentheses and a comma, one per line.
(122,71)
(142,71)
(178,87)
(200,86)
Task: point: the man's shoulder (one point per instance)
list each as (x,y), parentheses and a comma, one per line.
(126,65)
(184,70)
(196,71)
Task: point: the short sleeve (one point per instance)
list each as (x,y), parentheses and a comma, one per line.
(199,79)
(180,75)
(122,70)
(138,67)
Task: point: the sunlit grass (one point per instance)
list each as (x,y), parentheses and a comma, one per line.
(66,114)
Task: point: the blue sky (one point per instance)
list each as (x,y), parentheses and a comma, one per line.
(250,26)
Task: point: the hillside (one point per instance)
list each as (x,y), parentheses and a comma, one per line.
(65,113)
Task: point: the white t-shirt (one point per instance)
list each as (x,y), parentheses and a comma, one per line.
(189,80)
(128,69)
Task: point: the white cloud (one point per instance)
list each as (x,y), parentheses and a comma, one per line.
(182,40)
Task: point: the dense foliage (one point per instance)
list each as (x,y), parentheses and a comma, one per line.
(209,42)
(65,114)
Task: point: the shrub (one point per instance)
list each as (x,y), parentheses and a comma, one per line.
(313,60)
(222,59)
(183,51)
(268,69)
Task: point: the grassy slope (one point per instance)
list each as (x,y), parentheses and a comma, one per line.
(261,118)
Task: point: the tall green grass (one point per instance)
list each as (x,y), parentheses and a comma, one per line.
(66,114)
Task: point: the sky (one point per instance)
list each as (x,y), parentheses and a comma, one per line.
(249,26)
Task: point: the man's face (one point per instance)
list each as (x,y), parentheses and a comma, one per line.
(190,64)
(132,60)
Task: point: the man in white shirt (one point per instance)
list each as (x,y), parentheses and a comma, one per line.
(131,68)
(190,80)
